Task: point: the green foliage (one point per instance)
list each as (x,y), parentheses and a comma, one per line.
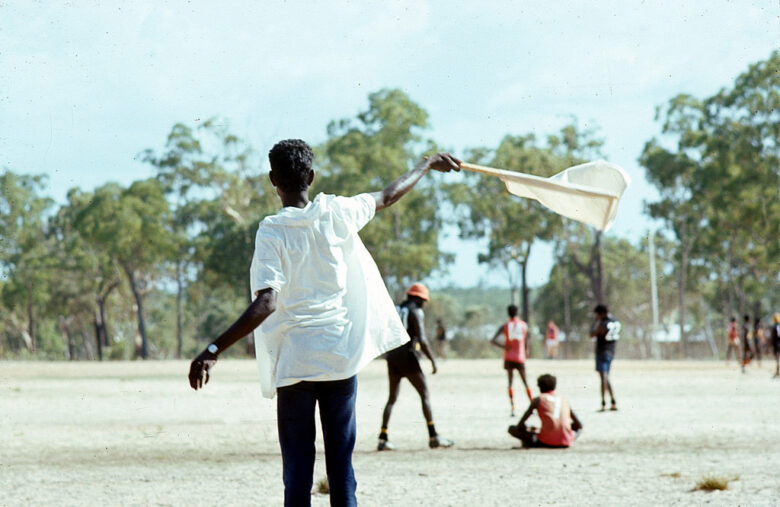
(717,169)
(366,154)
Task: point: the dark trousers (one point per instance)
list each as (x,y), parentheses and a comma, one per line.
(295,414)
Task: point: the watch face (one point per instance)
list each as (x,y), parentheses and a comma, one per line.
(212,348)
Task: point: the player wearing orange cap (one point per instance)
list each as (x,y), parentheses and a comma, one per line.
(402,362)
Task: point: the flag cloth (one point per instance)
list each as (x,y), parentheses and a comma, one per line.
(588,193)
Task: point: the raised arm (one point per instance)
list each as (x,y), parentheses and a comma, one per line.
(443,162)
(263,306)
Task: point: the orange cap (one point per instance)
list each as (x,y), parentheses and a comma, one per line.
(419,290)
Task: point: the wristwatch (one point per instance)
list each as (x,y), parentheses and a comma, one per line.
(212,348)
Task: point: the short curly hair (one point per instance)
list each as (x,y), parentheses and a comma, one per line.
(291,161)
(546,383)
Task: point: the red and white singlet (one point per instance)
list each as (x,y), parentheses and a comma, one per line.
(552,335)
(733,333)
(515,332)
(555,414)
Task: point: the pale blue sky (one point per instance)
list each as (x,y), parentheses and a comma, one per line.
(85,86)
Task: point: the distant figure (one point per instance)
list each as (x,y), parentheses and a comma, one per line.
(515,345)
(733,340)
(747,347)
(551,340)
(441,339)
(560,427)
(758,338)
(774,334)
(402,362)
(606,331)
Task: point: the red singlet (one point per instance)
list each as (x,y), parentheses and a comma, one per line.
(552,334)
(556,420)
(733,334)
(515,332)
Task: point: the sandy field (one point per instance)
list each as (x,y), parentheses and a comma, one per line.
(134,433)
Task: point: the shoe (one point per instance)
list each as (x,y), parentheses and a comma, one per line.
(603,407)
(438,441)
(512,413)
(384,445)
(514,431)
(613,407)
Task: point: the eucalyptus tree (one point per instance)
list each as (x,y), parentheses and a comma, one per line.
(24,253)
(717,169)
(366,153)
(130,226)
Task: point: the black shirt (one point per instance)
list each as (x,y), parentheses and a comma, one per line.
(602,344)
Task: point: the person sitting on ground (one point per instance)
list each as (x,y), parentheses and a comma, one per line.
(560,426)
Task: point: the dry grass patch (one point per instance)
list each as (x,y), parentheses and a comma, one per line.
(323,487)
(714,483)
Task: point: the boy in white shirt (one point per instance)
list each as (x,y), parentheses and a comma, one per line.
(323,313)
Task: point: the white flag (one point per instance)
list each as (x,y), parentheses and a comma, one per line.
(588,193)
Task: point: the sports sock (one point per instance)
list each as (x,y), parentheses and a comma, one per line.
(383,434)
(431,429)
(512,397)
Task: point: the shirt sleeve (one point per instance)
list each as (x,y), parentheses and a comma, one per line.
(358,210)
(266,270)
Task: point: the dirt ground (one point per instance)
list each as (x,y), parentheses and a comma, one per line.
(134,433)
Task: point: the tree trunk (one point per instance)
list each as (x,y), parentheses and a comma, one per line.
(524,290)
(65,327)
(103,324)
(30,320)
(682,282)
(597,276)
(87,344)
(140,313)
(179,310)
(708,328)
(98,333)
(566,313)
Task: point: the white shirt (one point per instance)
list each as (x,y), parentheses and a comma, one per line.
(333,312)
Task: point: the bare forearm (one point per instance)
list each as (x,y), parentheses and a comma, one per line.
(427,350)
(400,187)
(263,306)
(443,162)
(526,415)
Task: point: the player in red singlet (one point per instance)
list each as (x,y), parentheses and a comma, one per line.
(551,340)
(515,345)
(733,340)
(560,426)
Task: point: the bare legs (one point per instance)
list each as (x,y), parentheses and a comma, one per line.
(606,386)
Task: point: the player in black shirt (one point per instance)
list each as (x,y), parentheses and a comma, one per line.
(402,362)
(606,332)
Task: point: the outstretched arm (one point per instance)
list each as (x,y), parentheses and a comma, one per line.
(443,162)
(263,306)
